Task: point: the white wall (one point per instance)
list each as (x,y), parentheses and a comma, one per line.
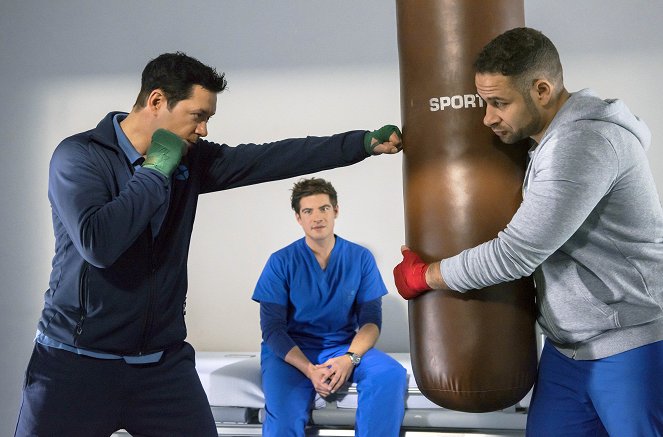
(294,67)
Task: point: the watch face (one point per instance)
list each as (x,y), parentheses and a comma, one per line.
(354,358)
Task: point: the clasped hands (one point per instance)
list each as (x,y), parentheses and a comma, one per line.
(410,275)
(330,376)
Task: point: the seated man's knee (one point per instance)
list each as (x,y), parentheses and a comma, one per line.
(390,377)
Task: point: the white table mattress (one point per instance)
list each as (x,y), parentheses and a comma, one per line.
(232,379)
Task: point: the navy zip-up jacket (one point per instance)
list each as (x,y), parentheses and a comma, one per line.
(113,287)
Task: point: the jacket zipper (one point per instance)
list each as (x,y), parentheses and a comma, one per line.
(150,295)
(82,299)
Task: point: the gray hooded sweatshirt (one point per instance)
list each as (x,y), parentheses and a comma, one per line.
(590,229)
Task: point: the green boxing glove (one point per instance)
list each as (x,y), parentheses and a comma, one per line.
(381,136)
(165,152)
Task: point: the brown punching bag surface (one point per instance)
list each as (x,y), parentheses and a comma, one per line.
(476,351)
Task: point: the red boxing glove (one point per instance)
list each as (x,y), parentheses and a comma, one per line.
(410,275)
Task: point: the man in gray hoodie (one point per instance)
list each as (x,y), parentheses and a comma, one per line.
(590,230)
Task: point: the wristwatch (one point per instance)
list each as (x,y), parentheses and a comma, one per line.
(356,359)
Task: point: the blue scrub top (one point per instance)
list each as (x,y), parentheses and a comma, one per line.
(321,303)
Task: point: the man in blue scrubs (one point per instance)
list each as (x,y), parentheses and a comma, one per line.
(320,314)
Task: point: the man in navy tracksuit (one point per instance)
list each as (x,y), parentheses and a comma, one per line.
(110,350)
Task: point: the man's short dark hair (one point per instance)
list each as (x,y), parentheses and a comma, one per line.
(176,74)
(524,54)
(310,187)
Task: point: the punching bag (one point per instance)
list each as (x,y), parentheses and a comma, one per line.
(473,351)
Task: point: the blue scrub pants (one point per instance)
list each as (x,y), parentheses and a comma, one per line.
(619,396)
(71,395)
(381,385)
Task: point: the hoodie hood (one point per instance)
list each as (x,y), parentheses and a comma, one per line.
(585,105)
